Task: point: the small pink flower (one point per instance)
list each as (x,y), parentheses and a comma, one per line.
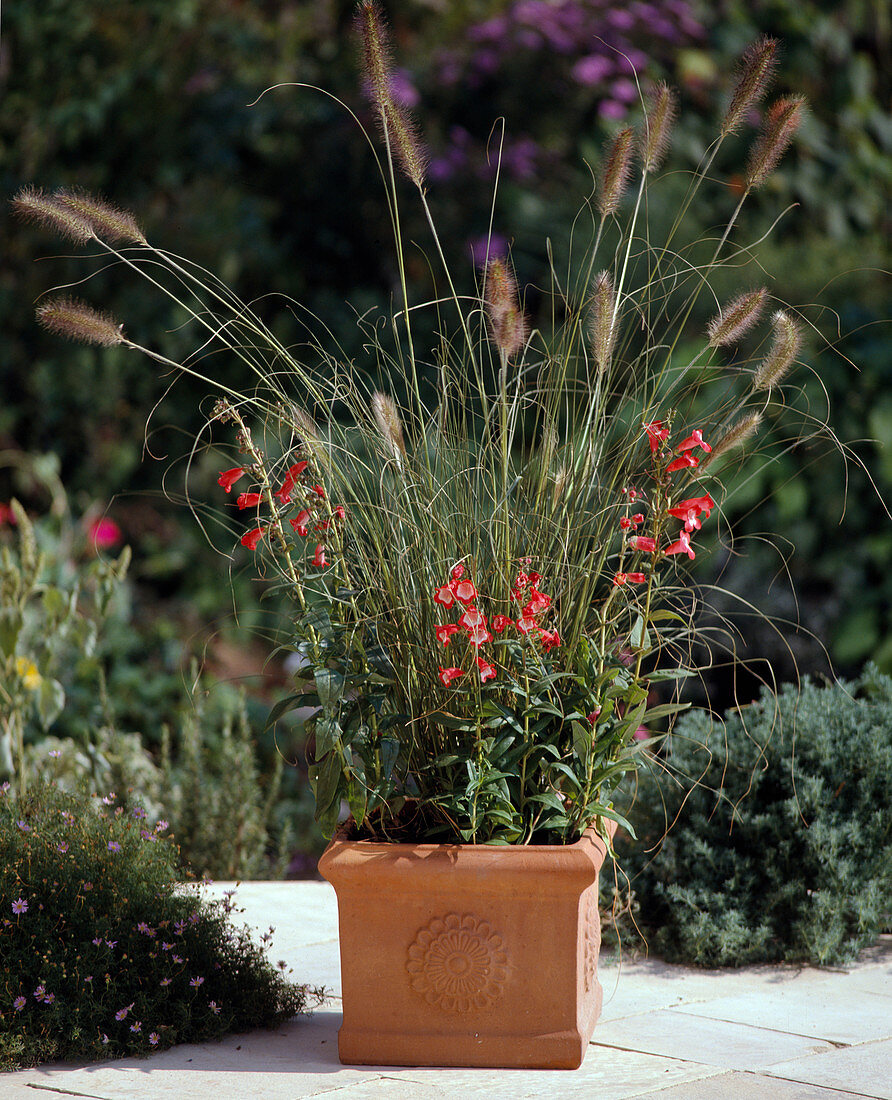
(228,478)
(104,533)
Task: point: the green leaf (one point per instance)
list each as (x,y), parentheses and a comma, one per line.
(327,779)
(328,733)
(670,674)
(390,751)
(50,701)
(357,799)
(282,707)
(663,710)
(582,740)
(54,602)
(330,686)
(639,638)
(10,627)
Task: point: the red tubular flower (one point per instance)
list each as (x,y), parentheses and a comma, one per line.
(447,675)
(458,571)
(643,543)
(656,434)
(549,639)
(291,476)
(631,492)
(319,491)
(695,439)
(319,557)
(538,603)
(228,478)
(478,635)
(525,624)
(625,523)
(251,538)
(636,578)
(323,526)
(487,671)
(445,596)
(465,591)
(444,633)
(534,579)
(620,578)
(340,512)
(690,511)
(472,618)
(300,522)
(594,716)
(499,622)
(683,546)
(681,462)
(248,500)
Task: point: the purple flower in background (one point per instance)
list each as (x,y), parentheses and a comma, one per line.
(136,1027)
(484,249)
(19,1003)
(165,981)
(161,826)
(40,992)
(19,906)
(122,1012)
(98,941)
(402,89)
(24,826)
(114,846)
(154,1038)
(196,982)
(609,108)
(111,943)
(139,812)
(49,998)
(63,847)
(54,753)
(214,1007)
(593,69)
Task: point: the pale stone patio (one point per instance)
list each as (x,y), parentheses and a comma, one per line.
(666,1032)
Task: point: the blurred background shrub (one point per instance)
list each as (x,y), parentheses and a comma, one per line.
(153,104)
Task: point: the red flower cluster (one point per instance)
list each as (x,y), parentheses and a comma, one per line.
(462,592)
(301,523)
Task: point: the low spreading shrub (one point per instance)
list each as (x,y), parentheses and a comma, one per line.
(780,846)
(102,953)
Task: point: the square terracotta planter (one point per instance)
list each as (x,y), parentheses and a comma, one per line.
(467,955)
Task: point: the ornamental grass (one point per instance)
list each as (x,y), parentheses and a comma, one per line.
(480,525)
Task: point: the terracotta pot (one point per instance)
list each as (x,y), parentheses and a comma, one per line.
(467,955)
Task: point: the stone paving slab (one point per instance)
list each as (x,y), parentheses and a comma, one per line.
(675,1034)
(751,1086)
(845,1015)
(867,1067)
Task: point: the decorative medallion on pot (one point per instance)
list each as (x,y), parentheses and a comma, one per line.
(457,964)
(467,955)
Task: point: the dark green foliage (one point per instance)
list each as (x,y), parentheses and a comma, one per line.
(783,849)
(108,929)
